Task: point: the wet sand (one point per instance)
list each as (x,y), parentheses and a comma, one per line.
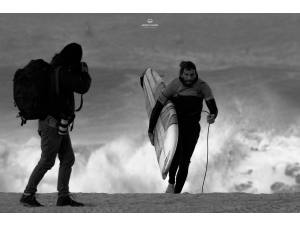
(161,203)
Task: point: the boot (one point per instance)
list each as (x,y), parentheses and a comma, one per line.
(30,200)
(68,201)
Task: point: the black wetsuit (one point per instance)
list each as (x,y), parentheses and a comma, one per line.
(188,101)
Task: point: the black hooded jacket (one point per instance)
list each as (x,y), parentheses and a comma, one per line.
(67,78)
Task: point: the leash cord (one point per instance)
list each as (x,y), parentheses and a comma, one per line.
(206,155)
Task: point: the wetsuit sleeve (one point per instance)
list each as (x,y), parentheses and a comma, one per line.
(75,80)
(154,116)
(212,106)
(209,99)
(207,92)
(166,94)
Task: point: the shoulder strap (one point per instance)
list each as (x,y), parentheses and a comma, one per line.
(81,103)
(56,78)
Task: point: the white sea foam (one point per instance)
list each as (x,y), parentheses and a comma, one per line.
(239,160)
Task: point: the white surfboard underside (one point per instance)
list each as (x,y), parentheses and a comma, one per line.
(170,144)
(165,137)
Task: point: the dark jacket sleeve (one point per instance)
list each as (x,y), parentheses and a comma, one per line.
(154,116)
(212,106)
(75,80)
(82,84)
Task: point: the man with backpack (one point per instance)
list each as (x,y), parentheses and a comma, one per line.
(68,75)
(187,93)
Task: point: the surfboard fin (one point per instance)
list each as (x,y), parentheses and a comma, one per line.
(142,77)
(142,80)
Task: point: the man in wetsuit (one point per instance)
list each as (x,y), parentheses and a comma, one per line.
(187,93)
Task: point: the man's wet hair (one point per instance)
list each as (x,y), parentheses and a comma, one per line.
(188,65)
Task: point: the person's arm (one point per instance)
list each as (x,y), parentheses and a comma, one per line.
(83,82)
(211,103)
(77,79)
(162,100)
(213,110)
(154,116)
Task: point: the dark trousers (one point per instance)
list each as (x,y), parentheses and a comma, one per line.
(53,144)
(188,137)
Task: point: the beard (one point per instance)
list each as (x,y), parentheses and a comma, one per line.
(189,84)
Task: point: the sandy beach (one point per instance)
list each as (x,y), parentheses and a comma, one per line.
(161,203)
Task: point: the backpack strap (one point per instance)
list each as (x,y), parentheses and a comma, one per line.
(81,103)
(56,80)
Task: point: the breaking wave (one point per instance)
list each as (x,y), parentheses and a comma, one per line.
(240,160)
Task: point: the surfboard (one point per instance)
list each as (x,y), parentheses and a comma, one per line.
(166,129)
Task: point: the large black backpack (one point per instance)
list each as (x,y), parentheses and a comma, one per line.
(31,90)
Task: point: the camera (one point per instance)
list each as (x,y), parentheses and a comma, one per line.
(63,126)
